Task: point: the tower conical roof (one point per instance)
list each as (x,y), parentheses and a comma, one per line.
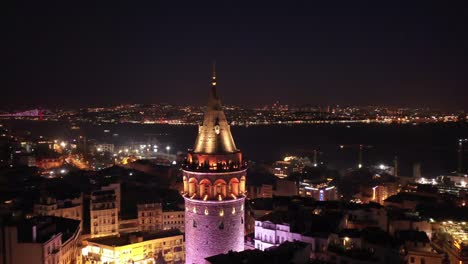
(214,135)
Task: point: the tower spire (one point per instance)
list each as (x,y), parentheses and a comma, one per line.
(214,69)
(213,82)
(214,136)
(214,102)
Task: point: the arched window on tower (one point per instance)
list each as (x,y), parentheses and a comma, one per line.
(242,185)
(186,185)
(192,186)
(220,188)
(234,186)
(205,189)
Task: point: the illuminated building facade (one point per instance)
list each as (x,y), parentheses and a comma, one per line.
(138,248)
(173,219)
(152,217)
(269,233)
(67,208)
(105,148)
(291,164)
(104,213)
(49,163)
(320,191)
(214,177)
(381,192)
(262,191)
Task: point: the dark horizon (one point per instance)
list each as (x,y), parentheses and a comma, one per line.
(392,54)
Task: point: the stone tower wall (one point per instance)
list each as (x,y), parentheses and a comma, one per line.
(212,228)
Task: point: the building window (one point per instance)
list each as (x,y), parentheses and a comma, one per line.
(411,259)
(194,223)
(423,261)
(221,225)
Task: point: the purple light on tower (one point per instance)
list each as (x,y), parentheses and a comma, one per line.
(214,178)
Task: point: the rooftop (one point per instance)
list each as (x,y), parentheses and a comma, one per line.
(405,196)
(347,232)
(46,228)
(281,254)
(276,217)
(305,222)
(377,236)
(411,236)
(127,238)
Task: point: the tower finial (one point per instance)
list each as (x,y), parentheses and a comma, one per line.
(214,69)
(213,81)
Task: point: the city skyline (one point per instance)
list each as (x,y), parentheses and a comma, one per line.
(315,53)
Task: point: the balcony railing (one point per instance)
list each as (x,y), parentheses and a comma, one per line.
(219,167)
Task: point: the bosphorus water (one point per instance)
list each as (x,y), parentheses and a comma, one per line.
(432,145)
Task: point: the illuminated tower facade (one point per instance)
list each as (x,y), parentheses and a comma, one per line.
(214,177)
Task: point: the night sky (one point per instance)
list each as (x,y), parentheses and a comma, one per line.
(306,52)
